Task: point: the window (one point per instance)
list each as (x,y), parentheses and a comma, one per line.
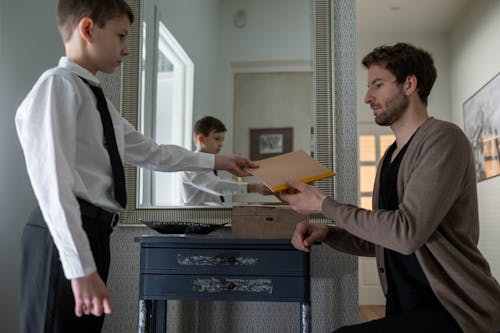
(372,143)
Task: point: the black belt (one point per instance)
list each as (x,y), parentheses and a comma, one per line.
(98,214)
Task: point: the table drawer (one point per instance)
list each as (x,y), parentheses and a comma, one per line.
(221,287)
(223,261)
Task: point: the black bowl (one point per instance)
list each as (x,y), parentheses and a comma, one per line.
(178,227)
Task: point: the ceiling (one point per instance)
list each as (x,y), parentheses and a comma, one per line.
(407,17)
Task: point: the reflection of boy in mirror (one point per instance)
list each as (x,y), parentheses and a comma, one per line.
(206,187)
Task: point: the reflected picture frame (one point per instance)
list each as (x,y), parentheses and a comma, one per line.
(482,128)
(269,142)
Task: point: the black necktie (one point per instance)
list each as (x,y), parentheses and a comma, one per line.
(110,141)
(221,197)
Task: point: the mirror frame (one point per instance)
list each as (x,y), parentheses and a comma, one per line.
(334,129)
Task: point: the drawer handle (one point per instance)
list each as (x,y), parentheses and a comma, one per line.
(226,260)
(217,260)
(214,285)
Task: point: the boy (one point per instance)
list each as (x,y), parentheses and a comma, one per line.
(73,142)
(205,187)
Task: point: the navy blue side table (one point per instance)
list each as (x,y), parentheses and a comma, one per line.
(218,267)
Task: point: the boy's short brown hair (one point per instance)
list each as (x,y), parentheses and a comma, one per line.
(208,124)
(70,12)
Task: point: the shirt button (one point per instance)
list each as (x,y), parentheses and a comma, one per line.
(381,270)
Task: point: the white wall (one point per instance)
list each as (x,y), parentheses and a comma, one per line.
(274,30)
(1,26)
(278,30)
(28,47)
(196,26)
(475,50)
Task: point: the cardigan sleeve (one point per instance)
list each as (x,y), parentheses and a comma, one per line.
(430,182)
(343,241)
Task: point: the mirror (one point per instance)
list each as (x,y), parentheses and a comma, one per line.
(245,62)
(318,15)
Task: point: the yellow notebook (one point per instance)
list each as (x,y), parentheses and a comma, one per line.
(297,165)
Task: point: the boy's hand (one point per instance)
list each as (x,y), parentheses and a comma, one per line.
(91,295)
(306,234)
(235,164)
(303,198)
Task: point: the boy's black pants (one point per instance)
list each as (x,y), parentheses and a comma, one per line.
(47,303)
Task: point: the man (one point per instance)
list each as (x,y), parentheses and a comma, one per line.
(424,227)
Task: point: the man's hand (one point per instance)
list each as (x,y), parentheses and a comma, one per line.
(303,198)
(306,234)
(235,164)
(91,295)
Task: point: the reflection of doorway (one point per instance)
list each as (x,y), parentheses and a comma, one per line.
(272,95)
(166,115)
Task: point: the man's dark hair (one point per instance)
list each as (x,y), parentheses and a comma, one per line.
(403,60)
(70,12)
(208,124)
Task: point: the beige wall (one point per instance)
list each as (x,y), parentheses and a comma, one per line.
(271,100)
(267,100)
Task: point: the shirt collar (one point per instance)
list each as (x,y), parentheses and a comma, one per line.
(73,67)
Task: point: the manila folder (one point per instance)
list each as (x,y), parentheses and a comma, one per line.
(297,165)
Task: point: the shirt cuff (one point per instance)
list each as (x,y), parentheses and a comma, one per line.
(242,188)
(206,160)
(75,268)
(329,208)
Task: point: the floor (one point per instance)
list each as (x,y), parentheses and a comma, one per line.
(371,312)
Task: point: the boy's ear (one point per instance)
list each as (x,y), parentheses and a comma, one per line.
(85,28)
(200,137)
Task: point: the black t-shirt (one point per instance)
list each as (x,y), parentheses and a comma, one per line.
(408,287)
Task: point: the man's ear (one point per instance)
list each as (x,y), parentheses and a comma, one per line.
(410,85)
(85,28)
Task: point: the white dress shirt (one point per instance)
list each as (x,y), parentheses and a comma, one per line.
(61,134)
(205,188)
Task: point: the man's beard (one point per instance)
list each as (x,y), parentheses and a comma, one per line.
(394,109)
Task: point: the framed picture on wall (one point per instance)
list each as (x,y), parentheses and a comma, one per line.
(269,142)
(482,127)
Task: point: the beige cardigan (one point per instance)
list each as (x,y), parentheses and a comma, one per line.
(437,219)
